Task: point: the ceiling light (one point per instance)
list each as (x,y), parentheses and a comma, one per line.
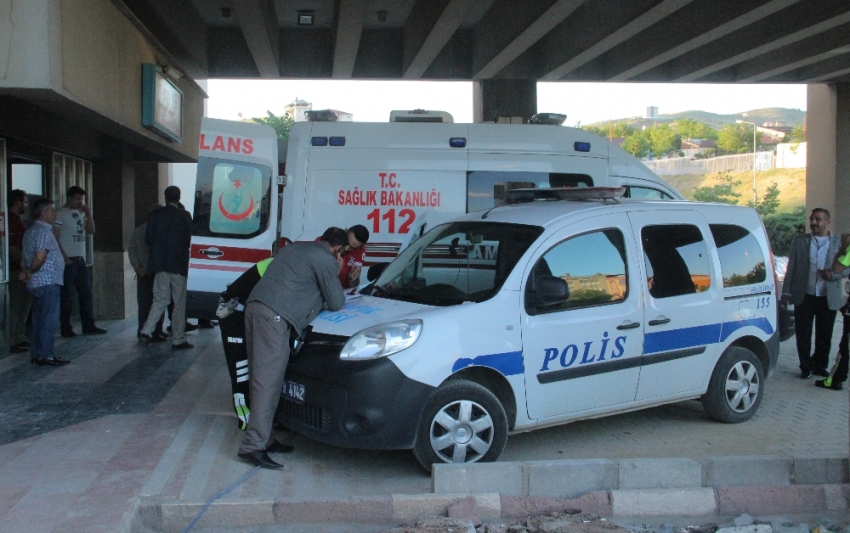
(305,18)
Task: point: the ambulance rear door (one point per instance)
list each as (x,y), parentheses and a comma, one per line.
(235,203)
(384,176)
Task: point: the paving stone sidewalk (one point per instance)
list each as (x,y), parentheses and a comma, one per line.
(81,444)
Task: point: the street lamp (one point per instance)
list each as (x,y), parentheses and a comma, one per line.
(755,148)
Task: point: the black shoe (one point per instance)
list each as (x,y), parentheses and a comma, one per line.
(52,361)
(834,385)
(94,330)
(189,327)
(279,447)
(158,337)
(185,345)
(18,349)
(260,459)
(205,324)
(145,337)
(822,372)
(68,333)
(24,344)
(805,374)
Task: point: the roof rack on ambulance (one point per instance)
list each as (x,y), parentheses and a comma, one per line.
(420,115)
(519,196)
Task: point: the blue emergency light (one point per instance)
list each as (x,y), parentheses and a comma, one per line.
(319,141)
(582,147)
(457,142)
(337,141)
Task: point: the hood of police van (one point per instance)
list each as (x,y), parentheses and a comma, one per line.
(362,312)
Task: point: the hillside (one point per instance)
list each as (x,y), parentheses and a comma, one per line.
(791,181)
(790,117)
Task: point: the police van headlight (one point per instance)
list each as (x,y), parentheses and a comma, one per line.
(382,340)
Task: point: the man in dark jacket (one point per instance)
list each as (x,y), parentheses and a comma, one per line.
(169,235)
(302,279)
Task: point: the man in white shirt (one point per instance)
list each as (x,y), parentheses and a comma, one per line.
(809,268)
(73,223)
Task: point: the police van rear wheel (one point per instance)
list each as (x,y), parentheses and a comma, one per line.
(735,390)
(463,422)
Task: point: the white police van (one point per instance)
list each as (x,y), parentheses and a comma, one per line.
(546,310)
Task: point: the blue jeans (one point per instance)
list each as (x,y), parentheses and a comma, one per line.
(45,319)
(77,275)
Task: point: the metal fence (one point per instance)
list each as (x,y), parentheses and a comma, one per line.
(733,163)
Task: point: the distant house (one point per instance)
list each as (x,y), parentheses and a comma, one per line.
(692,147)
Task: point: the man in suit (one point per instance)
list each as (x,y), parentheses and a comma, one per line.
(169,236)
(809,268)
(296,286)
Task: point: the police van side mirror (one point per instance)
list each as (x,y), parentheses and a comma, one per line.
(546,291)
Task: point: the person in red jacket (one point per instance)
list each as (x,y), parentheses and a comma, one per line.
(352,258)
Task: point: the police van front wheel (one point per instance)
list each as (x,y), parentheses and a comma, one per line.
(735,390)
(463,422)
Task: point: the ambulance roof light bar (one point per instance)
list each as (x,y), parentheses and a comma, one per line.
(519,196)
(420,115)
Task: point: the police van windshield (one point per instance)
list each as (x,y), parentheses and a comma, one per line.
(231,199)
(455,263)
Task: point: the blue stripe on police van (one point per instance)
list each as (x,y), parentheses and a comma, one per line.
(731,327)
(676,339)
(509,363)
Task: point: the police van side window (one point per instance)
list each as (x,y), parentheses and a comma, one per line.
(232,199)
(676,260)
(486,189)
(646,193)
(592,264)
(741,257)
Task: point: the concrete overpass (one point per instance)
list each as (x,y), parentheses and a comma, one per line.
(70,73)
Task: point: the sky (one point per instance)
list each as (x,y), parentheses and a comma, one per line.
(372,101)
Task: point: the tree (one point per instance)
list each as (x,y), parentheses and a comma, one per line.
(637,144)
(722,193)
(688,128)
(280,124)
(782,228)
(663,139)
(734,139)
(798,134)
(769,201)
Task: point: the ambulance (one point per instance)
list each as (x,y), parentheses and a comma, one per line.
(556,306)
(396,178)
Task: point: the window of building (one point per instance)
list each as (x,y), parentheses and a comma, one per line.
(676,260)
(741,258)
(231,199)
(486,189)
(592,264)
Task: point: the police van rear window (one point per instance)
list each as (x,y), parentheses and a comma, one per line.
(741,258)
(486,189)
(231,199)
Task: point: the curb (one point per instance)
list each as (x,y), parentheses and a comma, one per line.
(173,517)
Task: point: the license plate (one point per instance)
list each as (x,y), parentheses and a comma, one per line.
(294,391)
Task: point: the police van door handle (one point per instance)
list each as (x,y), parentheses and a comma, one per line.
(629,325)
(212,253)
(659,321)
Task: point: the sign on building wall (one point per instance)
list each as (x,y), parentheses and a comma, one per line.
(162,104)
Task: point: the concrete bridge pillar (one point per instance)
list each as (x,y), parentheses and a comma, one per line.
(828,152)
(493,100)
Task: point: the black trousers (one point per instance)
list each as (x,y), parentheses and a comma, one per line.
(813,309)
(843,353)
(236,353)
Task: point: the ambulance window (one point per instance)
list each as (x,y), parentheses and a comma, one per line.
(741,258)
(676,260)
(593,265)
(648,194)
(486,189)
(231,199)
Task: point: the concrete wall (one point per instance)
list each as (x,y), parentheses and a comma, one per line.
(828,157)
(88,52)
